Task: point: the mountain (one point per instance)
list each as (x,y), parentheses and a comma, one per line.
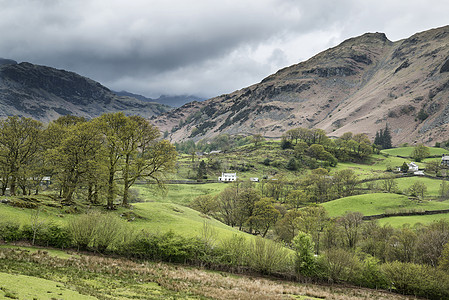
(45,93)
(175,101)
(358,86)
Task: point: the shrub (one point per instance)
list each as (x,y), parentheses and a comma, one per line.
(82,229)
(234,251)
(107,229)
(268,257)
(305,263)
(10,231)
(419,280)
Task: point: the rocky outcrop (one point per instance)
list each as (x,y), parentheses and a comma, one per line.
(360,86)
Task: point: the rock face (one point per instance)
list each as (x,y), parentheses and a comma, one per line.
(45,93)
(360,86)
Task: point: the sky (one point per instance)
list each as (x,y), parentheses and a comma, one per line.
(197,47)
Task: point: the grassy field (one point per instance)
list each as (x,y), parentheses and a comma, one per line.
(178,193)
(400,221)
(378,203)
(162,217)
(14,286)
(433,185)
(46,276)
(407,151)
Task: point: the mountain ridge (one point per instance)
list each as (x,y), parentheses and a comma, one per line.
(360,85)
(45,93)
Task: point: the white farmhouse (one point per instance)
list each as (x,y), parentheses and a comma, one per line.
(413,167)
(226,177)
(445,160)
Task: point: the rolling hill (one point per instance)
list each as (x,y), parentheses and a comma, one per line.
(360,86)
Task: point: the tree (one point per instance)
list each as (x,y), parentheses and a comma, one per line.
(351,223)
(389,183)
(227,206)
(443,192)
(77,157)
(205,204)
(246,201)
(264,215)
(305,263)
(420,152)
(257,139)
(383,138)
(404,167)
(345,182)
(297,198)
(292,165)
(116,128)
(418,189)
(19,143)
(202,171)
(318,185)
(287,227)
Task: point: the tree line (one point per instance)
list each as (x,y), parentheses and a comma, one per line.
(96,156)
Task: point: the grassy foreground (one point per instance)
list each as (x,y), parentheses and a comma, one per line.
(95,277)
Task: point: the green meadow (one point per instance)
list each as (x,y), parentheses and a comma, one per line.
(378,203)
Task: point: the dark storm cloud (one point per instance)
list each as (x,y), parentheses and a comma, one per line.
(199,47)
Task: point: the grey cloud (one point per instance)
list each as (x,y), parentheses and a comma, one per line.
(201,47)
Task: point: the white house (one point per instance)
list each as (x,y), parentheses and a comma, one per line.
(412,167)
(254,179)
(445,160)
(226,177)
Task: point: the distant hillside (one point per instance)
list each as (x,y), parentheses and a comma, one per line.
(175,101)
(45,93)
(360,86)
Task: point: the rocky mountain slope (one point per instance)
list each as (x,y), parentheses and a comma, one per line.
(174,101)
(360,86)
(45,93)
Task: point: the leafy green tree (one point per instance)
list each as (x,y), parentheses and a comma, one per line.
(292,164)
(389,183)
(318,185)
(351,223)
(257,139)
(202,171)
(344,182)
(313,220)
(246,201)
(418,189)
(404,167)
(297,198)
(287,227)
(227,206)
(19,143)
(116,128)
(264,215)
(420,152)
(77,157)
(205,204)
(305,263)
(383,138)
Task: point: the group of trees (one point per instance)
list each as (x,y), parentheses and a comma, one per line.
(258,210)
(383,138)
(79,154)
(313,144)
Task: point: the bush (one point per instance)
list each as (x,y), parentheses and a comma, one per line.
(418,280)
(305,263)
(234,251)
(168,247)
(268,257)
(82,230)
(10,231)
